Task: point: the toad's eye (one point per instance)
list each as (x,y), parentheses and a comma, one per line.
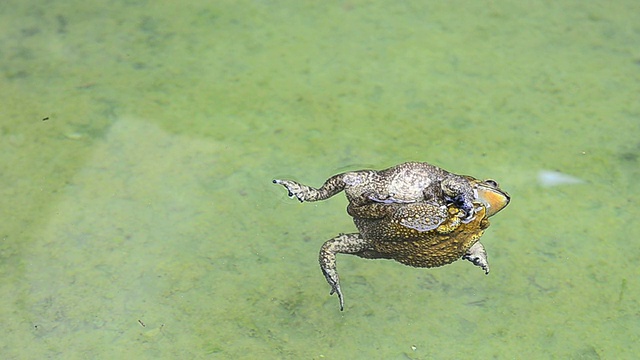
(491,183)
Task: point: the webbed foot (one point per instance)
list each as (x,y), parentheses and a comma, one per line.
(334,281)
(478,256)
(294,189)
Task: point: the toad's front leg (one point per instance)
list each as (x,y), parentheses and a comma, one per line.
(478,256)
(341,244)
(332,186)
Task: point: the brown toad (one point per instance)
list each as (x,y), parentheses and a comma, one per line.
(415,213)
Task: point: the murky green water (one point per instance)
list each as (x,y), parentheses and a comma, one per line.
(139,140)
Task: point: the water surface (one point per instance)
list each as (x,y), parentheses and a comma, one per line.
(139,140)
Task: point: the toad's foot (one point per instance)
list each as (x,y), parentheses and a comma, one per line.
(344,244)
(478,256)
(458,191)
(332,186)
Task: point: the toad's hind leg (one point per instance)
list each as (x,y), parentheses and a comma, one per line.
(332,186)
(341,244)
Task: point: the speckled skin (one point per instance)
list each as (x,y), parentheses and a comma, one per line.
(405,183)
(414,213)
(390,239)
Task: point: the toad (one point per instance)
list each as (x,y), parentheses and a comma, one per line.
(415,213)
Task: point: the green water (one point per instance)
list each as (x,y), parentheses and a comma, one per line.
(139,140)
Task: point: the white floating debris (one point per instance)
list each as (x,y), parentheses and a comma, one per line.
(74,135)
(549,178)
